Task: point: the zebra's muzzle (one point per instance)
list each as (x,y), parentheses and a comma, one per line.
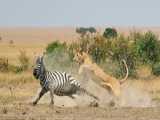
(35,73)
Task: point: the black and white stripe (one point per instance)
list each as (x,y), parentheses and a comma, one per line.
(58,83)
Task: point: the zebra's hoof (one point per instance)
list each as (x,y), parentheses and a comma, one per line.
(34,103)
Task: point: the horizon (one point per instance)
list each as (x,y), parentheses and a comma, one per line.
(105,26)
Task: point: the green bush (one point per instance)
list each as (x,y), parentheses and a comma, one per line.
(156,69)
(71,49)
(122,48)
(97,49)
(59,56)
(110,33)
(54,46)
(147,48)
(115,50)
(94,45)
(137,49)
(84,42)
(61,59)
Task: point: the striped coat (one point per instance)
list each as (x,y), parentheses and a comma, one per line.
(58,83)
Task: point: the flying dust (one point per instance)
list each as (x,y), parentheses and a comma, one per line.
(130,95)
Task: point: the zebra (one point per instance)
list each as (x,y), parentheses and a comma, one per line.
(58,83)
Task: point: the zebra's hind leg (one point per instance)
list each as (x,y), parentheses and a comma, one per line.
(42,92)
(93,103)
(88,93)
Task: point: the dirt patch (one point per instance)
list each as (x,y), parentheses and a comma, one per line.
(45,112)
(19,107)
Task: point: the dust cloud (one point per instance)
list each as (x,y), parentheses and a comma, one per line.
(135,97)
(130,95)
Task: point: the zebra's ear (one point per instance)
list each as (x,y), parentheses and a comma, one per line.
(42,59)
(37,59)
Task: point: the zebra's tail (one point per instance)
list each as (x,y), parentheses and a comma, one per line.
(84,91)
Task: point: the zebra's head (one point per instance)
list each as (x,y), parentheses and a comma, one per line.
(39,69)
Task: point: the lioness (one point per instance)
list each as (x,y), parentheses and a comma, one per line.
(107,81)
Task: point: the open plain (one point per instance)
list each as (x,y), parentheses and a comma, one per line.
(140,99)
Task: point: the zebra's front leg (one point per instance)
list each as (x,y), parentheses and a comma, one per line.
(42,92)
(52,96)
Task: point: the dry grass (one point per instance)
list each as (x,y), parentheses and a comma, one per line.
(12,52)
(16,86)
(144,72)
(37,34)
(16,79)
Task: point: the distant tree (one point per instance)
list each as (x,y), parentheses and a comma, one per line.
(82,30)
(92,30)
(110,33)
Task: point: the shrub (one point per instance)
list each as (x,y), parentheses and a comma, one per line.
(59,56)
(147,48)
(3,64)
(15,69)
(54,46)
(110,33)
(6,67)
(71,49)
(156,69)
(94,45)
(137,49)
(24,60)
(97,49)
(58,61)
(122,48)
(115,50)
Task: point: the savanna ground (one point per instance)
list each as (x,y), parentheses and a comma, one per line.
(140,98)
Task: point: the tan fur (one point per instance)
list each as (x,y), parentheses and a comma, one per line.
(107,81)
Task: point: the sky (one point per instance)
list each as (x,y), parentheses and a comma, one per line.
(79,12)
